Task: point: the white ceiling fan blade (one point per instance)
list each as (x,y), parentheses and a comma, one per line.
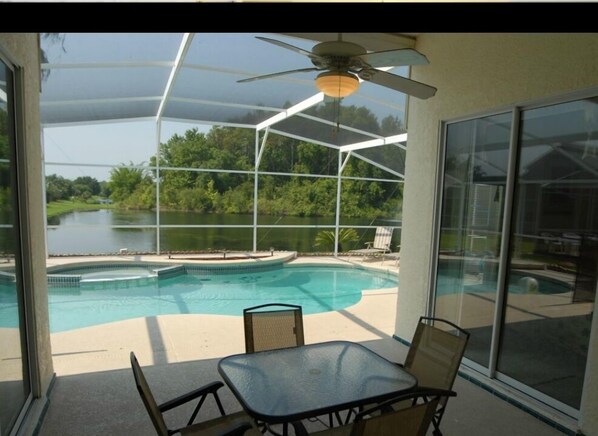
(394,58)
(289,47)
(281,73)
(398,83)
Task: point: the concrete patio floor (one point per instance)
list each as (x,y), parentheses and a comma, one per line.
(94,392)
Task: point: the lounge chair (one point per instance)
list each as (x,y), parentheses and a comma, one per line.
(393,255)
(380,245)
(235,424)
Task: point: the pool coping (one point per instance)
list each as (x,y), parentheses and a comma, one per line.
(58,273)
(161,267)
(275,257)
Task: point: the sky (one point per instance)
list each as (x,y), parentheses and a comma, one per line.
(213,63)
(104,144)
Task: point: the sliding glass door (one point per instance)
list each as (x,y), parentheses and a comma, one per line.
(14,366)
(475,174)
(553,259)
(529,309)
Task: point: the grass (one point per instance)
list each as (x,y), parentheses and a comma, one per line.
(60,207)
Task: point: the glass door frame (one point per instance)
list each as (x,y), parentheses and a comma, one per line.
(512,172)
(23,267)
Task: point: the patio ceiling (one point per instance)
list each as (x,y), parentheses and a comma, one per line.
(108,77)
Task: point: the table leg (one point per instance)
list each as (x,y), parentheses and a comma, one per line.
(300,429)
(268,428)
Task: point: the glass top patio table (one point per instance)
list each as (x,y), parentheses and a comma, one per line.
(291,384)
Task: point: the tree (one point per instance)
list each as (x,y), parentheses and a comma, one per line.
(125,180)
(51,38)
(188,184)
(85,187)
(325,238)
(105,190)
(58,188)
(391,126)
(5,192)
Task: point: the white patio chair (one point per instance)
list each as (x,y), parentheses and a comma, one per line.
(380,245)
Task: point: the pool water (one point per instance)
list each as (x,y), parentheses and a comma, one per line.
(315,288)
(128,273)
(450,281)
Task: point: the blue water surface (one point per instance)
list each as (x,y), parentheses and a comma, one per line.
(315,288)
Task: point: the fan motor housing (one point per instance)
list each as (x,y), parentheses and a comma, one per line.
(336,54)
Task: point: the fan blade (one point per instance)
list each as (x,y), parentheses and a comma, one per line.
(281,73)
(289,47)
(398,83)
(394,58)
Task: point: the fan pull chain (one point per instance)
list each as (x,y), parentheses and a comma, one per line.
(337,115)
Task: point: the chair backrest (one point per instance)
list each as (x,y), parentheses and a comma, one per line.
(148,399)
(383,238)
(411,420)
(273,326)
(436,352)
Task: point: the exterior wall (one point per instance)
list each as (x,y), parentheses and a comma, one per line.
(23,50)
(477,73)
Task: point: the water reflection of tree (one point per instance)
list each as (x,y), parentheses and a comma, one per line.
(6,200)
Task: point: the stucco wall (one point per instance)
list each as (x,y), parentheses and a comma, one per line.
(476,73)
(23,50)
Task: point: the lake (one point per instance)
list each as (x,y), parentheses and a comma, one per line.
(90,232)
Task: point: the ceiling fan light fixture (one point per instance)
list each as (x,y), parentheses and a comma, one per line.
(337,84)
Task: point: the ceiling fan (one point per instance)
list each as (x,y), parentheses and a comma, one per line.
(344,63)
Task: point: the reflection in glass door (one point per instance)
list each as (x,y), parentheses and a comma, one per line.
(14,368)
(553,263)
(532,332)
(475,176)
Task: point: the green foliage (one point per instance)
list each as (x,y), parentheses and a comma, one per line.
(82,188)
(58,188)
(228,148)
(6,206)
(5,201)
(127,183)
(85,187)
(143,197)
(61,207)
(325,238)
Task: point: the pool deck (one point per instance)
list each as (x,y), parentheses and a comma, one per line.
(179,338)
(94,391)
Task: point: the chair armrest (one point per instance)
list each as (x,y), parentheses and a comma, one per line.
(386,406)
(210,388)
(430,392)
(237,430)
(369,244)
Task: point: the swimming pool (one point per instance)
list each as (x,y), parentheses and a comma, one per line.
(315,288)
(450,280)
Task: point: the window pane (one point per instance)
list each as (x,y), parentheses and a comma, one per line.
(14,367)
(554,251)
(470,235)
